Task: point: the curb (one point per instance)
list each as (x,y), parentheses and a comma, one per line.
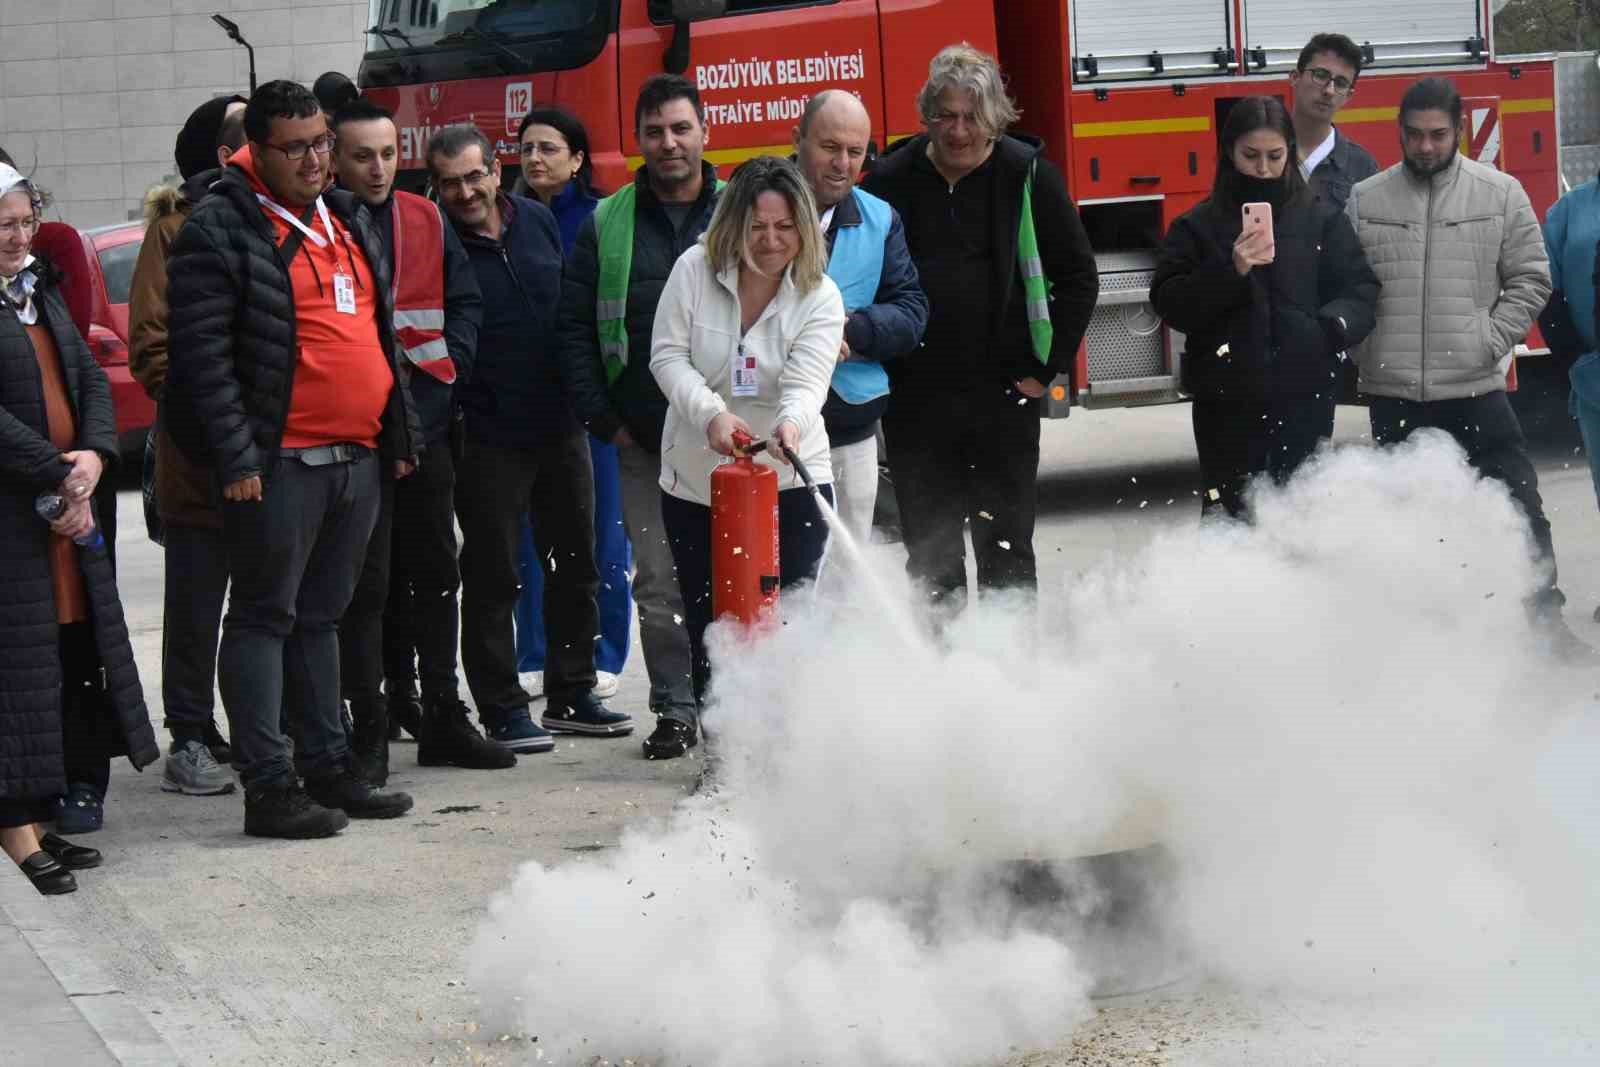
(108,1011)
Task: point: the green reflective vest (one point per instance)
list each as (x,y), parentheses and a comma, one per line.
(1035,286)
(613,225)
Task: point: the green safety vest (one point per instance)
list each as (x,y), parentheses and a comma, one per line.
(1035,286)
(615,246)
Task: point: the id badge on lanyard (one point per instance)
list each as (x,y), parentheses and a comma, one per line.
(344,286)
(344,293)
(746,383)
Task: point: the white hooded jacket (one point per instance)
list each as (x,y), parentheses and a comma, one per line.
(795,345)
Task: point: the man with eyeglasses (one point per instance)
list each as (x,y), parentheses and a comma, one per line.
(1011,283)
(522,449)
(283,376)
(1324,79)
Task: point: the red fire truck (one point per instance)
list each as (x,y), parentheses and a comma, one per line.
(1127,95)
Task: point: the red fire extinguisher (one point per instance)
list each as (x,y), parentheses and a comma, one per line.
(744,535)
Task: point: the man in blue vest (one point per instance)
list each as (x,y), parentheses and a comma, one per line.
(871,264)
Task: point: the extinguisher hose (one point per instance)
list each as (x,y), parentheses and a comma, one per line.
(794,460)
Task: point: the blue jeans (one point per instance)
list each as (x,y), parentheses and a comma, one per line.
(1584,405)
(613,559)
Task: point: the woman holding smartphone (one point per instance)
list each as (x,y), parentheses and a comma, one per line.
(1269,288)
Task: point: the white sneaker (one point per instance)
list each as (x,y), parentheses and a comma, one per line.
(605,684)
(532,683)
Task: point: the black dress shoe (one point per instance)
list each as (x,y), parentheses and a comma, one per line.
(48,876)
(73,857)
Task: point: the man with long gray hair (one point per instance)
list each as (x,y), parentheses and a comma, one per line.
(1011,283)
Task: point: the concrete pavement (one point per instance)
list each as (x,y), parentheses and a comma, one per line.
(243,952)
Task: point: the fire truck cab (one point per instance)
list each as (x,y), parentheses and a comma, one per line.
(1127,95)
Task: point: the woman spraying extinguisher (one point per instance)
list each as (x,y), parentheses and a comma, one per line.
(746,337)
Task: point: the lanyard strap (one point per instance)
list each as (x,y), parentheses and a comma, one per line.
(311,235)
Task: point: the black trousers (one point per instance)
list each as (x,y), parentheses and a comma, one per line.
(87,727)
(361,629)
(191,622)
(802,539)
(1237,440)
(422,620)
(294,557)
(970,454)
(495,488)
(1488,430)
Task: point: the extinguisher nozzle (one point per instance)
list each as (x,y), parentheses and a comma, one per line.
(794,460)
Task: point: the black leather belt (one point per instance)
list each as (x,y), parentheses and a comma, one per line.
(323,455)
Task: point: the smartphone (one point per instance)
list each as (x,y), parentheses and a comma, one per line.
(1258,217)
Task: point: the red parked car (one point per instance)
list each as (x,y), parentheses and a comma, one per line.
(97,266)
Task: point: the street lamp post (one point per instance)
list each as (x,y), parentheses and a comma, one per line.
(231,28)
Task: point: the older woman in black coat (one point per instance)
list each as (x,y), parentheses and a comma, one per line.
(69,690)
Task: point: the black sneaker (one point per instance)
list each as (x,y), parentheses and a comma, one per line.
(286,811)
(356,798)
(369,742)
(585,714)
(449,739)
(221,751)
(670,740)
(405,708)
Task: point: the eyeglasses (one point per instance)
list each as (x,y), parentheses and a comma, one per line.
(19,227)
(471,179)
(298,149)
(547,149)
(1322,76)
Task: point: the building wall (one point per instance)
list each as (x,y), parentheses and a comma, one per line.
(94,92)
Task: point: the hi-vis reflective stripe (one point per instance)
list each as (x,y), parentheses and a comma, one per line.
(428,352)
(420,319)
(612,309)
(1138,127)
(1035,286)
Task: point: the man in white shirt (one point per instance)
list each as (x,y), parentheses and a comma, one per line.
(1324,80)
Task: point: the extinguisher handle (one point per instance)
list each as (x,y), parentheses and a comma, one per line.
(745,445)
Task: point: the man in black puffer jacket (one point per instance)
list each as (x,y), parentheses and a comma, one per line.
(283,376)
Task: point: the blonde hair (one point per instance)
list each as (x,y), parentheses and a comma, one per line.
(961,66)
(728,237)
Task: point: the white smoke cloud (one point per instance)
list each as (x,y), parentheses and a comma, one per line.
(1335,722)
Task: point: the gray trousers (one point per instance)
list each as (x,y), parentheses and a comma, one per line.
(655,586)
(294,557)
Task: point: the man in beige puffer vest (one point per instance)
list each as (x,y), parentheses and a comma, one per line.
(1459,252)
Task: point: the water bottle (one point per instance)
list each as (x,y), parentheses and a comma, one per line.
(51,506)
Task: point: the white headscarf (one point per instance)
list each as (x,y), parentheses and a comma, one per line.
(19,290)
